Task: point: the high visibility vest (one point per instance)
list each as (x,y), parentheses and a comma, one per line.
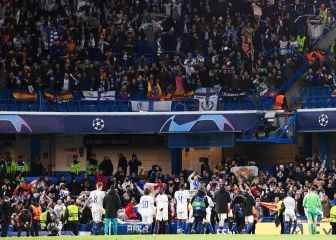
(26,168)
(13,167)
(279,100)
(43,220)
(37,211)
(91,169)
(8,168)
(301,42)
(73,211)
(20,167)
(75,168)
(324,15)
(332,218)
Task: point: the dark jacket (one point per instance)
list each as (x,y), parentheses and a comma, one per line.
(199,204)
(111,204)
(5,212)
(222,199)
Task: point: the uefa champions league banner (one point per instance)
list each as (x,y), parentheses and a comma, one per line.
(316,120)
(129,123)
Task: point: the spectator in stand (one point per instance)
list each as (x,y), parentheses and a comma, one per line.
(106,166)
(134,165)
(122,163)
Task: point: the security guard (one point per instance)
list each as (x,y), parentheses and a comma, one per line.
(91,167)
(75,166)
(301,40)
(44,219)
(11,167)
(72,216)
(333,219)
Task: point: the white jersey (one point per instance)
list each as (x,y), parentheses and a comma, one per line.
(146,205)
(162,205)
(289,204)
(181,199)
(59,210)
(96,199)
(209,209)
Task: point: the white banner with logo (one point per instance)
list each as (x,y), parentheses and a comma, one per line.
(207,103)
(140,106)
(107,96)
(245,171)
(90,95)
(162,106)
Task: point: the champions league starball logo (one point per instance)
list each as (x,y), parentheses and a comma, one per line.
(323,120)
(98,124)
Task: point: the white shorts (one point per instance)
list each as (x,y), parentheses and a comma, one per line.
(97,214)
(222,217)
(249,219)
(162,216)
(289,215)
(147,219)
(182,215)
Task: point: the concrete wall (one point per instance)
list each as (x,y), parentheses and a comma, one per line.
(149,156)
(57,152)
(190,158)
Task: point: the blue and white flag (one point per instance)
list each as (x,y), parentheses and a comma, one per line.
(207,98)
(90,95)
(107,96)
(140,106)
(162,106)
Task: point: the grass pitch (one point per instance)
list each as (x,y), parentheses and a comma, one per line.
(184,237)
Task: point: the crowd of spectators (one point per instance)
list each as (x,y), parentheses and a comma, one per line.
(151,49)
(130,181)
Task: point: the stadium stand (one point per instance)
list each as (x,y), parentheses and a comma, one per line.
(52,51)
(196,56)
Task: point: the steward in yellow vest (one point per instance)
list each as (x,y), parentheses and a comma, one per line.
(332,219)
(72,216)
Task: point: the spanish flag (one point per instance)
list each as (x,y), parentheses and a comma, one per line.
(58,97)
(25,96)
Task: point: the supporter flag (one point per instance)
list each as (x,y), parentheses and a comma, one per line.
(162,106)
(58,97)
(272,206)
(140,106)
(154,187)
(107,96)
(90,95)
(25,96)
(245,171)
(207,98)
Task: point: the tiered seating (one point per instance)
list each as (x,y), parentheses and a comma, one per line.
(317,97)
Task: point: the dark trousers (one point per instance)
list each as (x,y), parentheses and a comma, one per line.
(35,228)
(197,226)
(161,227)
(333,228)
(74,227)
(21,229)
(4,229)
(253,229)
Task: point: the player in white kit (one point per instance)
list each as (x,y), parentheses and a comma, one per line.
(181,198)
(208,225)
(96,199)
(146,207)
(290,213)
(162,205)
